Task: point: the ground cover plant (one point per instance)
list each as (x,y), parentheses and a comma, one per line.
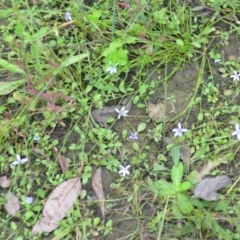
(119,119)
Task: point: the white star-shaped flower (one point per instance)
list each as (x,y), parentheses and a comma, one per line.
(124,170)
(235,76)
(19,160)
(237,131)
(122,112)
(112,69)
(68,16)
(133,135)
(179,131)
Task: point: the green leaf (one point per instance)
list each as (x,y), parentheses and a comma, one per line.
(8,87)
(177,173)
(175,154)
(136,147)
(83,194)
(39,34)
(13,225)
(180,42)
(4,13)
(141,127)
(141,105)
(122,87)
(184,204)
(167,189)
(200,116)
(159,167)
(185,186)
(41,193)
(11,67)
(196,44)
(207,30)
(73,59)
(199,153)
(162,187)
(83,157)
(198,8)
(176,211)
(136,99)
(194,177)
(130,39)
(96,221)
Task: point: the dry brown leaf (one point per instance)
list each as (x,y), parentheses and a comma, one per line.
(101,115)
(208,187)
(12,206)
(97,187)
(64,164)
(185,152)
(156,111)
(207,168)
(57,205)
(5,182)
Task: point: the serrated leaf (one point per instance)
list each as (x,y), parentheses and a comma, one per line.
(175,155)
(176,211)
(11,67)
(184,204)
(177,173)
(73,59)
(4,13)
(199,153)
(167,189)
(208,30)
(141,127)
(8,87)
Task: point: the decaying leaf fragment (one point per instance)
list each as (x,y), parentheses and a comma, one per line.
(156,111)
(101,115)
(12,206)
(64,164)
(5,182)
(185,152)
(57,205)
(97,187)
(208,187)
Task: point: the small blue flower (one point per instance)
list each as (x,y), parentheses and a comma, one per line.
(133,135)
